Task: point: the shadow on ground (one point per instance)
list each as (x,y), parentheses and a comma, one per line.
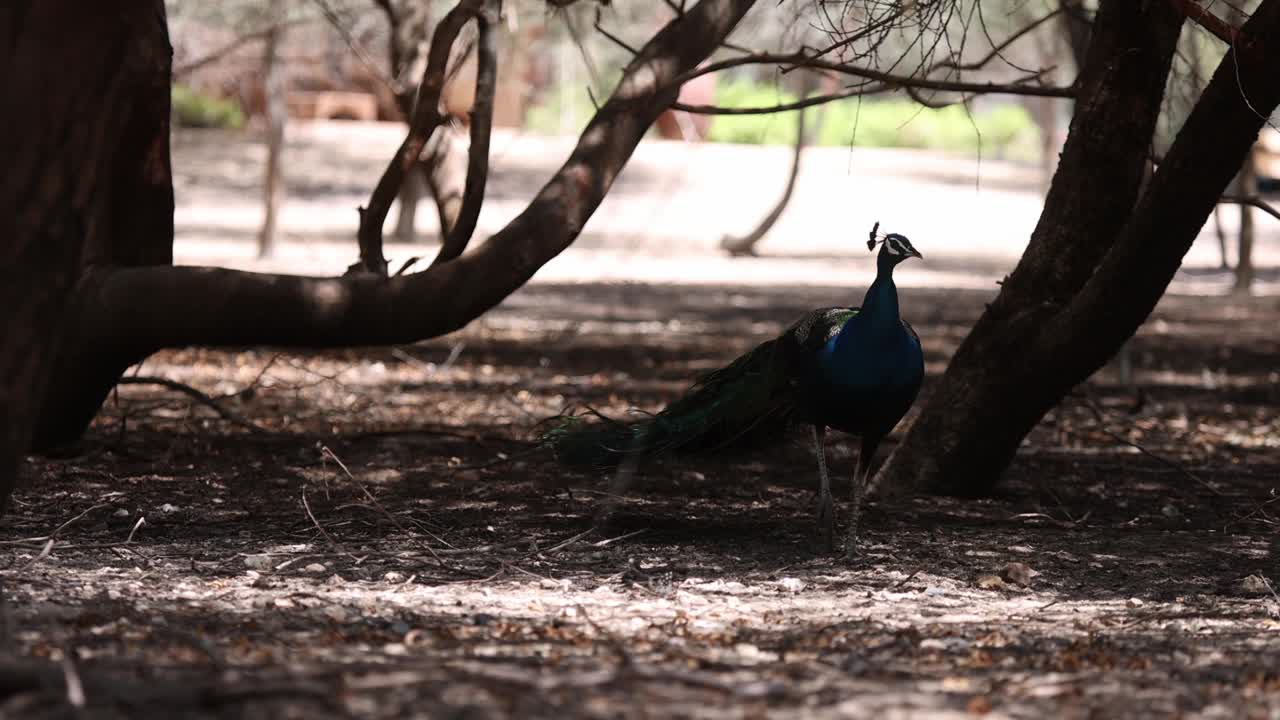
(390,544)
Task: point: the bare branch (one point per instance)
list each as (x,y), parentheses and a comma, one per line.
(216,55)
(356,47)
(481,127)
(193,394)
(1252,201)
(426,118)
(1201,16)
(807,102)
(996,50)
(801,60)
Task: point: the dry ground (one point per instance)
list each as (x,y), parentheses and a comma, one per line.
(198,569)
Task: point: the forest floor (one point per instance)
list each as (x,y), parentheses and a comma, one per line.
(374,535)
(386,542)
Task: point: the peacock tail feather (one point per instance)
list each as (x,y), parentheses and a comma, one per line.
(752,399)
(751,395)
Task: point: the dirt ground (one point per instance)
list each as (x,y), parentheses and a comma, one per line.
(384,541)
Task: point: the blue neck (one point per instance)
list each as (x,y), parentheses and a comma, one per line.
(880,305)
(871,349)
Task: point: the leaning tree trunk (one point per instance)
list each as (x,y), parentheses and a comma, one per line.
(86,162)
(1097,264)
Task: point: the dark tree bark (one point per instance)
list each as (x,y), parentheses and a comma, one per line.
(1097,263)
(85,141)
(124,313)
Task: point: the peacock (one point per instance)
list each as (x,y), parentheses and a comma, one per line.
(855,369)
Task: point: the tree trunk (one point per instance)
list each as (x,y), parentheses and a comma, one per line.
(85,141)
(989,398)
(1097,264)
(277,113)
(1246,186)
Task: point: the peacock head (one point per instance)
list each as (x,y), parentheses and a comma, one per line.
(894,248)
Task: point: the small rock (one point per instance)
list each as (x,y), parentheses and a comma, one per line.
(1253,585)
(482,618)
(791,584)
(934,591)
(258,562)
(1133,603)
(120,513)
(1171,511)
(991,582)
(1017,573)
(315,569)
(393,576)
(167,508)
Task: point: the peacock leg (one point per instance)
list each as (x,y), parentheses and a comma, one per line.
(826,507)
(860,473)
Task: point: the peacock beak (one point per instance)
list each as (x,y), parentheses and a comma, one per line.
(916,253)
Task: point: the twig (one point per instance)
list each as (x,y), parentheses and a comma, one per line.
(71,675)
(324,533)
(142,520)
(194,394)
(216,55)
(904,580)
(356,47)
(1252,201)
(1097,413)
(996,50)
(374,501)
(609,541)
(44,553)
(58,530)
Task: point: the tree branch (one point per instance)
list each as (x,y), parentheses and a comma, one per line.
(214,56)
(426,118)
(996,50)
(464,227)
(1252,201)
(142,309)
(801,60)
(1201,16)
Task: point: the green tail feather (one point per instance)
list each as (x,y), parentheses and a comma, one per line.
(751,398)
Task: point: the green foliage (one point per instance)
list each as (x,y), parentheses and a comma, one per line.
(1001,130)
(770,129)
(191,108)
(902,123)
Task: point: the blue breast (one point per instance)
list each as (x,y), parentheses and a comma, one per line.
(871,370)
